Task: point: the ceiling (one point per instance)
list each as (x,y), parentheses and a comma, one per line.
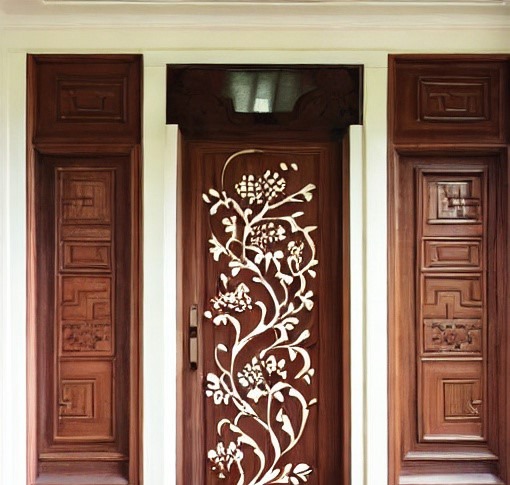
(338,13)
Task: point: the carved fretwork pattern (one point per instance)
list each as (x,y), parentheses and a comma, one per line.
(85,303)
(86,197)
(77,398)
(454,201)
(448,297)
(459,100)
(452,306)
(85,233)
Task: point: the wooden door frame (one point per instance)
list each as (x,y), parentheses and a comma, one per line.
(183,411)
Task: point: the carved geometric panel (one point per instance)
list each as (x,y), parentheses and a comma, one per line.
(86,197)
(460,100)
(452,401)
(85,401)
(453,201)
(86,298)
(447,297)
(461,399)
(78,398)
(86,256)
(449,102)
(451,303)
(452,254)
(454,335)
(76,232)
(86,314)
(88,100)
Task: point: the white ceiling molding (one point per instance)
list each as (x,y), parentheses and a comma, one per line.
(242,14)
(279,2)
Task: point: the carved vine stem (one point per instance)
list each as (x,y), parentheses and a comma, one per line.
(252,230)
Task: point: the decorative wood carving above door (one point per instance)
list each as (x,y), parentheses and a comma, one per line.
(233,99)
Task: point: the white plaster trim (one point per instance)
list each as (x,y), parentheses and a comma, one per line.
(357,305)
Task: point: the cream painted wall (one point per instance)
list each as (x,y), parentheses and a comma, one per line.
(368,213)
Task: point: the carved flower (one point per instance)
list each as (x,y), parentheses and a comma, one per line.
(214,389)
(237,300)
(251,377)
(261,189)
(295,249)
(274,367)
(265,234)
(273,185)
(223,458)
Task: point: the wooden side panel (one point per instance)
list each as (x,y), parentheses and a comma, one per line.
(84,180)
(448,269)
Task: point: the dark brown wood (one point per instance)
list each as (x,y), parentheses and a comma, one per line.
(450,99)
(87,99)
(326,99)
(322,160)
(323,441)
(448,264)
(84,296)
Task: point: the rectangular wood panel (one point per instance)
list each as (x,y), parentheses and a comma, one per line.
(90,99)
(84,181)
(452,99)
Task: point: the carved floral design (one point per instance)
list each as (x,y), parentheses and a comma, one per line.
(223,458)
(261,189)
(454,335)
(259,389)
(86,337)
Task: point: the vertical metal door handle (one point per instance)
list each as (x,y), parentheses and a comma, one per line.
(193,337)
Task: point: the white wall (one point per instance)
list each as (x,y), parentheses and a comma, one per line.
(368,214)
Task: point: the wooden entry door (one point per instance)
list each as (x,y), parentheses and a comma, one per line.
(263,361)
(264,292)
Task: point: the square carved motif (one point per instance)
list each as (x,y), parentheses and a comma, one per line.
(455,200)
(457,391)
(86,196)
(77,398)
(86,401)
